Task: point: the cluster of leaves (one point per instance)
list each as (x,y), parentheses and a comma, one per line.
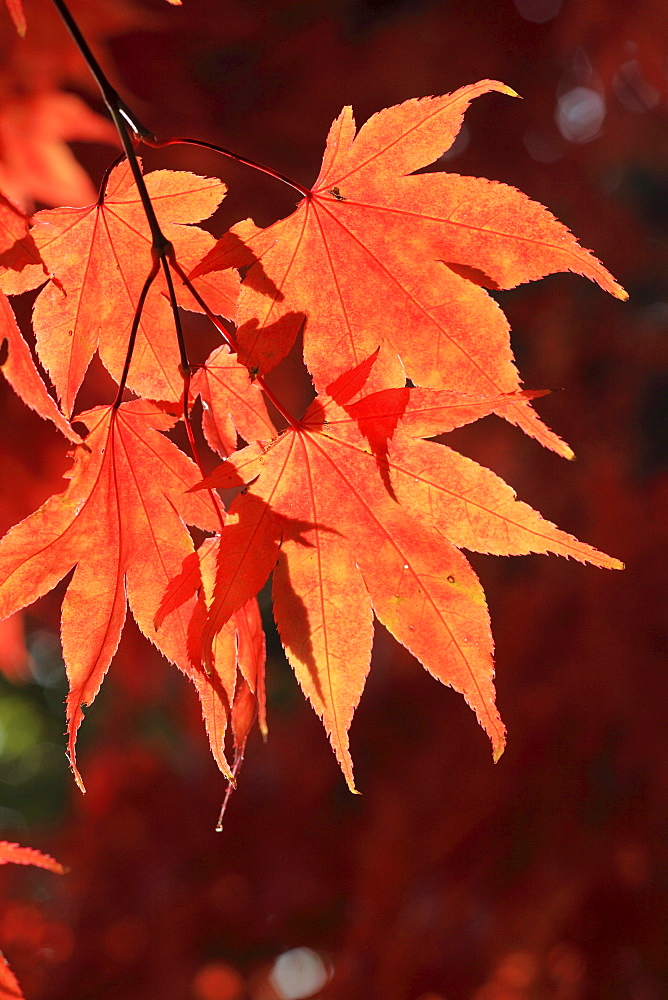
(354,509)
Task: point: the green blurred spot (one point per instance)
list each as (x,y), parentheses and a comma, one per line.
(21,727)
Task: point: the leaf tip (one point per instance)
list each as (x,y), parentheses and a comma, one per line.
(56,867)
(351,785)
(72,758)
(346,765)
(77,777)
(510,92)
(498,738)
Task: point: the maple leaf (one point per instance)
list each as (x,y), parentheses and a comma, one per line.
(372,254)
(121,522)
(100,257)
(348,549)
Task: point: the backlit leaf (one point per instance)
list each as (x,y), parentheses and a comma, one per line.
(100,257)
(121,522)
(357,538)
(374,255)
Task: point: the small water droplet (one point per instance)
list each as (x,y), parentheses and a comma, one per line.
(405,565)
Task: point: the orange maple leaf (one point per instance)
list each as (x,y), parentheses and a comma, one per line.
(327,489)
(354,511)
(373,254)
(121,522)
(100,257)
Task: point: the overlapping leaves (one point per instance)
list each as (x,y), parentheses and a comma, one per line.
(352,508)
(370,520)
(121,522)
(107,247)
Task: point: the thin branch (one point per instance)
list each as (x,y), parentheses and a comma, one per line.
(121,115)
(276,174)
(186,374)
(101,194)
(153,273)
(112,99)
(162,249)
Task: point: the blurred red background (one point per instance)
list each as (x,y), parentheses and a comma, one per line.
(449,878)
